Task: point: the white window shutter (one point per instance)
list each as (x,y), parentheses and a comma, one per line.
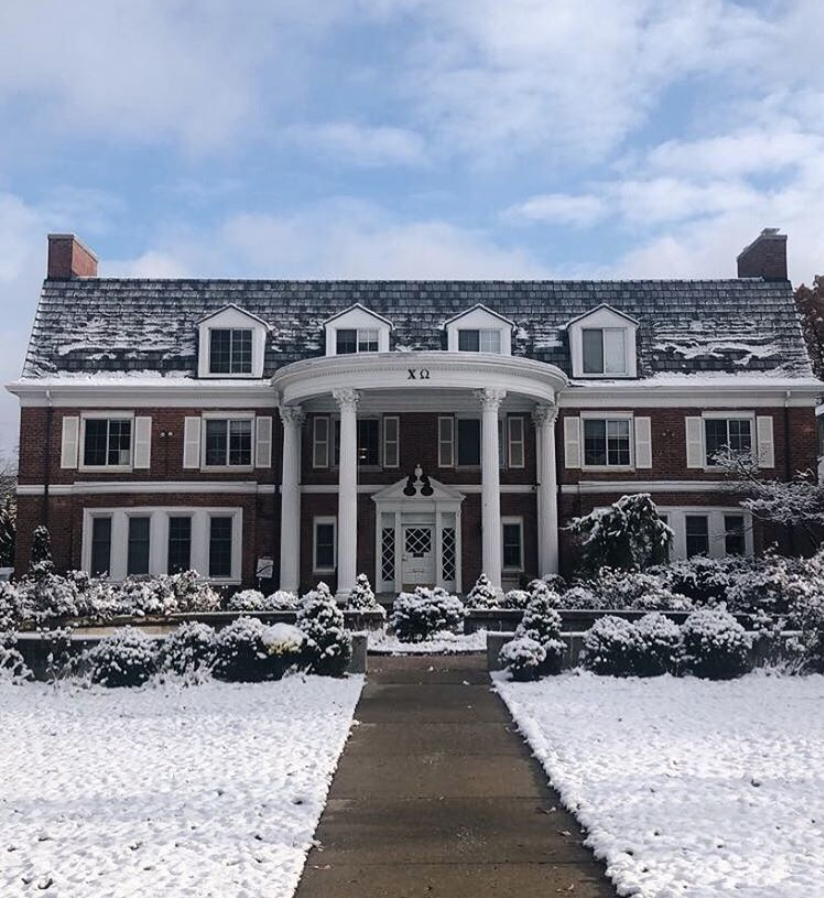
(695,442)
(320,442)
(142,442)
(446,442)
(71,434)
(766,444)
(191,443)
(263,442)
(572,442)
(643,442)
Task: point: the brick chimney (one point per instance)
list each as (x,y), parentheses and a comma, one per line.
(69,258)
(765,257)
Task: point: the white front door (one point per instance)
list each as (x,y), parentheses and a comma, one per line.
(418,561)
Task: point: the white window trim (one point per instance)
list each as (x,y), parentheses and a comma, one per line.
(608,416)
(356,318)
(231,318)
(358,331)
(479,318)
(227,416)
(324,520)
(159,538)
(519,521)
(603,318)
(676,519)
(98,416)
(727,416)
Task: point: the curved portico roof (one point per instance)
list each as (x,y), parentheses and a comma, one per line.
(418,371)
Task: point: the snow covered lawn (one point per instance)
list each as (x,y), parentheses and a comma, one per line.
(212,791)
(687,787)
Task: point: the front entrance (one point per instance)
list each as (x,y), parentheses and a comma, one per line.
(418,559)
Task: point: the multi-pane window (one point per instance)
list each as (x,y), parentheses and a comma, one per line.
(734,434)
(220,546)
(352,340)
(607,442)
(604,350)
(228,442)
(698,534)
(101,555)
(107,442)
(137,556)
(368,442)
(515,442)
(481,340)
(230,351)
(469,441)
(324,545)
(513,550)
(734,542)
(180,545)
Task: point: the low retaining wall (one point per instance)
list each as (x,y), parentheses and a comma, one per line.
(34,648)
(572,621)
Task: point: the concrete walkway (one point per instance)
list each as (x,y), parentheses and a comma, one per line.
(436,797)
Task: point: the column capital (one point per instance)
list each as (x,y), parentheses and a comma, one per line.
(545,414)
(346,397)
(491,398)
(291,414)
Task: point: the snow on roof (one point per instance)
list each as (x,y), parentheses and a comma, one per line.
(117,325)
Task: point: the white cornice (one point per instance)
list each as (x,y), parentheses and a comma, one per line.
(136,487)
(588,487)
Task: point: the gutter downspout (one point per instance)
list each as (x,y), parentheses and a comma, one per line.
(44,514)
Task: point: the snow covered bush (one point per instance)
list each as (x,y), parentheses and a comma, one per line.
(10,606)
(540,589)
(483,594)
(40,546)
(419,615)
(191,592)
(703,580)
(629,535)
(714,645)
(281,600)
(46,596)
(553,582)
(362,597)
(523,658)
(188,650)
(328,646)
(542,624)
(247,600)
(658,646)
(610,647)
(516,599)
(579,598)
(126,658)
(284,641)
(13,668)
(636,590)
(240,655)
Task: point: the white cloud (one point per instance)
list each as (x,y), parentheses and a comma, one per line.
(360,145)
(559,208)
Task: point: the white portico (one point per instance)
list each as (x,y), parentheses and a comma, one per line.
(418,519)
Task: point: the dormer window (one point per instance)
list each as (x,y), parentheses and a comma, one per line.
(230,351)
(232,343)
(480,340)
(479,329)
(357,330)
(352,340)
(604,350)
(602,343)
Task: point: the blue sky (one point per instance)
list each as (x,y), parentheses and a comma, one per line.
(405,138)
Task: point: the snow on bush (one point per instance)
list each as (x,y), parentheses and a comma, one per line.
(658,646)
(254,600)
(628,535)
(188,650)
(10,606)
(523,658)
(516,599)
(635,590)
(328,645)
(239,652)
(284,641)
(13,668)
(419,615)
(541,590)
(703,580)
(610,647)
(579,597)
(126,658)
(542,624)
(191,592)
(714,645)
(483,594)
(362,597)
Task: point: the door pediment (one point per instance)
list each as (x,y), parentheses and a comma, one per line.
(417,488)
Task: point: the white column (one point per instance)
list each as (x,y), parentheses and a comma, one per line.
(292,418)
(491,484)
(347,401)
(544,417)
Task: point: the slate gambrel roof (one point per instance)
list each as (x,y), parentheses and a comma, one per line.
(112,325)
